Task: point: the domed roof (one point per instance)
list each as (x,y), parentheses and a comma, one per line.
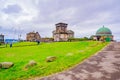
(103,31)
(70,31)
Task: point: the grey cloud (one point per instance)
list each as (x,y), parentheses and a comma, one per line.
(87,16)
(86,10)
(12,9)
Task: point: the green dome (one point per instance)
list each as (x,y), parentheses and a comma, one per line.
(104,31)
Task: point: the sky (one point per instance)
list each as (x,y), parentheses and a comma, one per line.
(84,17)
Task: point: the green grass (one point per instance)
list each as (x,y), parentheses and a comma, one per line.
(68,54)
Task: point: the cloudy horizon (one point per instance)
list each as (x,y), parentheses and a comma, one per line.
(84,17)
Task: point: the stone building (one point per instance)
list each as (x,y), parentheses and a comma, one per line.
(103,34)
(61,33)
(1,38)
(47,39)
(33,36)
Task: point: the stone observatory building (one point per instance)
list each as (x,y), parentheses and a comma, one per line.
(103,34)
(61,33)
(33,36)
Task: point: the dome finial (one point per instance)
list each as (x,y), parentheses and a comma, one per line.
(103,26)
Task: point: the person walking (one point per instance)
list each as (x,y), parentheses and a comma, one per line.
(11,45)
(38,42)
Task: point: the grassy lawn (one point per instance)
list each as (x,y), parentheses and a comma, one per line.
(68,54)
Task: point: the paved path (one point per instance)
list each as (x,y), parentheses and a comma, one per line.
(103,66)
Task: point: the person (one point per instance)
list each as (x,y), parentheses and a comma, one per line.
(38,42)
(6,43)
(10,44)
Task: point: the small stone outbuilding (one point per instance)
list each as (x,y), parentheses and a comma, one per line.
(33,36)
(1,38)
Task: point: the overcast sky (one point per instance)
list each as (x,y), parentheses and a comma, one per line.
(84,17)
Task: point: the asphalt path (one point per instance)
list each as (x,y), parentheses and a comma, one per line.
(105,65)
